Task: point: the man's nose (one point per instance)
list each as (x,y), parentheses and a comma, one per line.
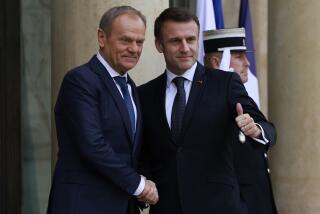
(133,47)
(184,46)
(246,61)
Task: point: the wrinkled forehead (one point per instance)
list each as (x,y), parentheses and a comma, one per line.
(171,27)
(180,25)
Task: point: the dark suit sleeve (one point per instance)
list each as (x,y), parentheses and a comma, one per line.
(79,97)
(238,94)
(144,161)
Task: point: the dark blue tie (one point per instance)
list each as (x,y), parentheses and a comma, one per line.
(178,108)
(127,99)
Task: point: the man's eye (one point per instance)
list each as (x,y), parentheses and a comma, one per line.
(125,40)
(139,43)
(191,40)
(175,41)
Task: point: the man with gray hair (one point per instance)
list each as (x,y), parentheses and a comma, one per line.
(98,122)
(226,49)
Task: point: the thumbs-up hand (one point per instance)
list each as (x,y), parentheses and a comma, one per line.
(239,109)
(246,123)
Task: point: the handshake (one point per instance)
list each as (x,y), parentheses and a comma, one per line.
(149,194)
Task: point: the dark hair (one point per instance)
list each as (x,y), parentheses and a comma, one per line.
(110,15)
(173,14)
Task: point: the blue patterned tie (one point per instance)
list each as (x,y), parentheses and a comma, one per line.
(178,108)
(127,99)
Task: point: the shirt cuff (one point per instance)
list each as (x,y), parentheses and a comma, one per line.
(140,187)
(264,140)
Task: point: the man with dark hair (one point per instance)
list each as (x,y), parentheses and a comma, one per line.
(98,122)
(226,49)
(192,117)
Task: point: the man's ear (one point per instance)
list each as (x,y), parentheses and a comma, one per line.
(101,37)
(159,45)
(215,62)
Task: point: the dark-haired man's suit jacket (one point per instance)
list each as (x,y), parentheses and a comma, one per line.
(95,171)
(196,173)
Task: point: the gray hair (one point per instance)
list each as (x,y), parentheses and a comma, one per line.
(110,15)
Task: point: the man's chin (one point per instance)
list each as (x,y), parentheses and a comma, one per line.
(129,65)
(187,64)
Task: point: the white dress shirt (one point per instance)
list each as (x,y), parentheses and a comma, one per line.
(171,89)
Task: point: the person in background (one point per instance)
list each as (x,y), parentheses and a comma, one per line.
(226,49)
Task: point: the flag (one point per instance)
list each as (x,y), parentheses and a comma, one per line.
(205,13)
(218,13)
(226,56)
(245,21)
(210,17)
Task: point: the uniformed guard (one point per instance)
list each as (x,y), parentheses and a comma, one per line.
(225,49)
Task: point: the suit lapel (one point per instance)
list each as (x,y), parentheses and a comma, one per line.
(136,100)
(198,84)
(162,95)
(160,106)
(111,86)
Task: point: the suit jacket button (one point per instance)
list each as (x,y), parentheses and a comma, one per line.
(265,155)
(268,170)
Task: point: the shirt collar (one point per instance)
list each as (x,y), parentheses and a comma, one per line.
(188,74)
(113,73)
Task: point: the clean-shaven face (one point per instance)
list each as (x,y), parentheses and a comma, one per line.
(123,47)
(179,45)
(239,62)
